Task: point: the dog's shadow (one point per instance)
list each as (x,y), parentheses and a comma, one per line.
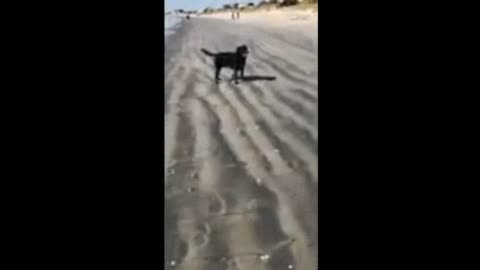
(258,78)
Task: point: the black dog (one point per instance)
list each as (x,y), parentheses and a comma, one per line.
(234,60)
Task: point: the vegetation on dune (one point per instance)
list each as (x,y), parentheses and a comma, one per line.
(284,3)
(265,4)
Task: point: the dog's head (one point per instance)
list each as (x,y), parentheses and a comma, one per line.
(243,50)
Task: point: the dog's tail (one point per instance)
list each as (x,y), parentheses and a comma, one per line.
(207,52)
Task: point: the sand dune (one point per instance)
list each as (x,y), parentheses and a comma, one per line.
(241,160)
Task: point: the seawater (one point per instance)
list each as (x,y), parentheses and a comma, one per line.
(171,24)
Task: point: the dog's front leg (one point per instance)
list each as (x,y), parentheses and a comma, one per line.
(241,73)
(235,76)
(217,74)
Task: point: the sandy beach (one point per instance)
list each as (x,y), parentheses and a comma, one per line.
(241,160)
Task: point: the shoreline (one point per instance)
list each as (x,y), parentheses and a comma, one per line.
(172,24)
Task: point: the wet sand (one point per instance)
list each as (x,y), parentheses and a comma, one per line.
(241,160)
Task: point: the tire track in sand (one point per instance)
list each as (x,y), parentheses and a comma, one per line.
(244,256)
(309,190)
(308,201)
(297,230)
(237,257)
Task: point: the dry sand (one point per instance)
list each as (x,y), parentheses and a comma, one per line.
(241,160)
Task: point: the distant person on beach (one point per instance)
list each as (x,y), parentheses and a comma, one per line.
(236,8)
(235,13)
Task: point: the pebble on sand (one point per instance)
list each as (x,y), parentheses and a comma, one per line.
(290,266)
(241,132)
(294,164)
(265,257)
(252,204)
(173,263)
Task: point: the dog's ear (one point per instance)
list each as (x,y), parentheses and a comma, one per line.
(242,48)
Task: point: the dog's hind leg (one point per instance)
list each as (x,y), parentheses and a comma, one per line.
(217,74)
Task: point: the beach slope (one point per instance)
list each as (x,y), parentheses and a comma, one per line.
(241,160)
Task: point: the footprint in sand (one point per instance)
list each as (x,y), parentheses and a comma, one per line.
(258,203)
(203,236)
(216,205)
(179,252)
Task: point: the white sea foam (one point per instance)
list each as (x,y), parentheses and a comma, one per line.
(171,24)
